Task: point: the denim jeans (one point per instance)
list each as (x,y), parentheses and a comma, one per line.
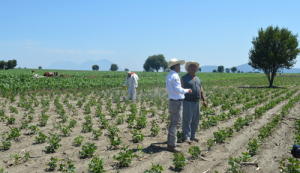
(175,109)
(190,122)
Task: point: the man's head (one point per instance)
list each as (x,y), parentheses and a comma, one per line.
(174,64)
(176,68)
(192,67)
(129,73)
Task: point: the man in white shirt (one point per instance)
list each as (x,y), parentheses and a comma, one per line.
(176,96)
(132,85)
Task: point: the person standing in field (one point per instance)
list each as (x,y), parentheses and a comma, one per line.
(132,85)
(176,96)
(191,111)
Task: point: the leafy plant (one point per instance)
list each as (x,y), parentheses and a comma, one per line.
(137,136)
(195,152)
(253,147)
(78,140)
(179,136)
(289,165)
(41,138)
(125,157)
(155,169)
(6,144)
(53,143)
(87,150)
(179,161)
(210,143)
(97,133)
(66,167)
(96,165)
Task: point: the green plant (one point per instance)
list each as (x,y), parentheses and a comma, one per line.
(44,119)
(72,123)
(179,136)
(234,167)
(253,147)
(97,133)
(41,138)
(66,167)
(96,165)
(16,158)
(11,120)
(179,161)
(209,143)
(78,140)
(53,143)
(14,133)
(6,144)
(3,170)
(115,143)
(289,165)
(155,169)
(87,150)
(137,136)
(66,130)
(195,152)
(125,157)
(120,119)
(154,128)
(34,129)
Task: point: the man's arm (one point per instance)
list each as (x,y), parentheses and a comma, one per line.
(203,98)
(182,83)
(125,83)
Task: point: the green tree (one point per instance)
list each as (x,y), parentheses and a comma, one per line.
(199,69)
(233,69)
(2,65)
(40,67)
(95,67)
(155,62)
(214,71)
(239,71)
(220,69)
(227,70)
(126,69)
(273,48)
(11,64)
(114,67)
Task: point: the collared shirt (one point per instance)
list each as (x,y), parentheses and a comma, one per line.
(174,88)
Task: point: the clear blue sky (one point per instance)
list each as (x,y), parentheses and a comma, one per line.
(42,32)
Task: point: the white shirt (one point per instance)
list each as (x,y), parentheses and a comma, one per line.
(174,88)
(132,83)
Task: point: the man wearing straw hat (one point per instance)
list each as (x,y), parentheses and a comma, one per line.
(132,85)
(191,111)
(176,96)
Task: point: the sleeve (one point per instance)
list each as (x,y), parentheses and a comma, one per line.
(177,86)
(125,82)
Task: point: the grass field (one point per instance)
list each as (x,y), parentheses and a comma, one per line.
(75,122)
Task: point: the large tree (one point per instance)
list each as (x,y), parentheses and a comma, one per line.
(220,69)
(273,48)
(95,67)
(155,62)
(10,64)
(114,67)
(233,69)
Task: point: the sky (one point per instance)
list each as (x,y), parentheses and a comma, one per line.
(212,32)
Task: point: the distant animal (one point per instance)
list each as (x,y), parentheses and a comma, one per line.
(50,74)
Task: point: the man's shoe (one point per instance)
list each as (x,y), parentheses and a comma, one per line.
(173,149)
(196,139)
(187,141)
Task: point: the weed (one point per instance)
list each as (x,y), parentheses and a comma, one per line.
(87,150)
(195,152)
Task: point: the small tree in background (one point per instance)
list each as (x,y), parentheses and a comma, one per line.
(273,48)
(95,67)
(227,70)
(199,69)
(233,69)
(238,71)
(114,67)
(214,71)
(126,69)
(40,67)
(155,62)
(220,69)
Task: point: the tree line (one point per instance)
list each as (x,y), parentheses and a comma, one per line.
(10,64)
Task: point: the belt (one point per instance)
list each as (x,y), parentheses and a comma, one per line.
(177,100)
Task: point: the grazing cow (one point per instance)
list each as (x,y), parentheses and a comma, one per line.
(50,74)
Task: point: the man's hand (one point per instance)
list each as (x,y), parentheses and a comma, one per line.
(190,91)
(204,104)
(123,86)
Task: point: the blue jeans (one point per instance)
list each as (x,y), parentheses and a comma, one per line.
(190,120)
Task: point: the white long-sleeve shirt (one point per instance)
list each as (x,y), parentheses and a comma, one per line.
(132,83)
(173,85)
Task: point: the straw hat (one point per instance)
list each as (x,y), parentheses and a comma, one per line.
(174,61)
(190,63)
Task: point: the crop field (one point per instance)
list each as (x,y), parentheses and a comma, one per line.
(84,123)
